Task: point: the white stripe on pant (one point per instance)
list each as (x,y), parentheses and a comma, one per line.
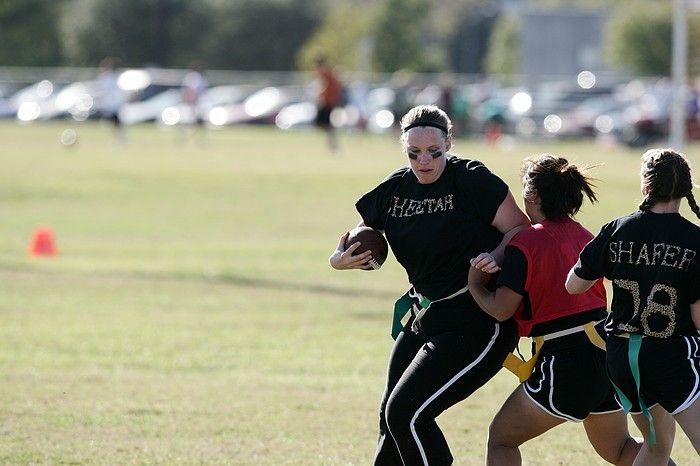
(445,387)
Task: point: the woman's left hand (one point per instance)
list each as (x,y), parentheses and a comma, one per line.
(485,262)
(344,259)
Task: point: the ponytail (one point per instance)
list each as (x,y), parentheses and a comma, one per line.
(693,205)
(581,182)
(559,184)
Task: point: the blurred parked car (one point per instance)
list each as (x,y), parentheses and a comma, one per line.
(503,106)
(551,102)
(7,89)
(260,107)
(151,108)
(646,118)
(182,113)
(299,114)
(29,103)
(590,116)
(366,108)
(381,106)
(76,100)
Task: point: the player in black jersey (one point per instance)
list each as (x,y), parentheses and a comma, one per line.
(651,257)
(566,380)
(436,214)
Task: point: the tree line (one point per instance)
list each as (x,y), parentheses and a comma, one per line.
(283,35)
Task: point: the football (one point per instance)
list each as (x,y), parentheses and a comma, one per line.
(372,240)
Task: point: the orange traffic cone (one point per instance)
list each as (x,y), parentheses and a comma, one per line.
(43,243)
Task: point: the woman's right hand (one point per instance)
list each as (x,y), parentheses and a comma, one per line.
(343,259)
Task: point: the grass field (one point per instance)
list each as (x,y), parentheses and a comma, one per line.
(191,316)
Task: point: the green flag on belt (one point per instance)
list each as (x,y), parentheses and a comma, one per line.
(401,307)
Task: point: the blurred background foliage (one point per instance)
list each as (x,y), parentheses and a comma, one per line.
(29,34)
(639,38)
(461,36)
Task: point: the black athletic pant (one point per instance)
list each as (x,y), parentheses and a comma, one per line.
(426,376)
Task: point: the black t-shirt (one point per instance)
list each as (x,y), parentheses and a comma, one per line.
(514,275)
(514,271)
(434,229)
(652,262)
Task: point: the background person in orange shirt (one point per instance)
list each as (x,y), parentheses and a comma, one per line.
(329,97)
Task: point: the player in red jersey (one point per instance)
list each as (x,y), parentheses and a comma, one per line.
(569,382)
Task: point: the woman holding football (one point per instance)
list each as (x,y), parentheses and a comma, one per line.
(436,214)
(652,257)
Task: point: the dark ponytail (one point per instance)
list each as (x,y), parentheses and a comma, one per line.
(560,185)
(693,205)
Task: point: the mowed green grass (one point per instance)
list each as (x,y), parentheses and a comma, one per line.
(191,316)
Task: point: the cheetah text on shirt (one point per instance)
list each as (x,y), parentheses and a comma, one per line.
(409,207)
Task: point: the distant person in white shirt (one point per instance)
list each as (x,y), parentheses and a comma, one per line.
(193,86)
(111,96)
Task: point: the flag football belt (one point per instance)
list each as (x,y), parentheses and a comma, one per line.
(523,369)
(633,358)
(406,303)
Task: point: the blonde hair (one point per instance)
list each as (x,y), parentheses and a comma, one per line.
(425,115)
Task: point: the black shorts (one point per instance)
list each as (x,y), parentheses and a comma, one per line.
(570,381)
(669,371)
(323,116)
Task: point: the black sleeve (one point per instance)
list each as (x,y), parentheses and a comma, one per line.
(514,271)
(374,206)
(592,262)
(485,190)
(694,288)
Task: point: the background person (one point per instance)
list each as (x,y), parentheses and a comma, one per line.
(329,97)
(193,86)
(436,214)
(112,97)
(651,257)
(569,382)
